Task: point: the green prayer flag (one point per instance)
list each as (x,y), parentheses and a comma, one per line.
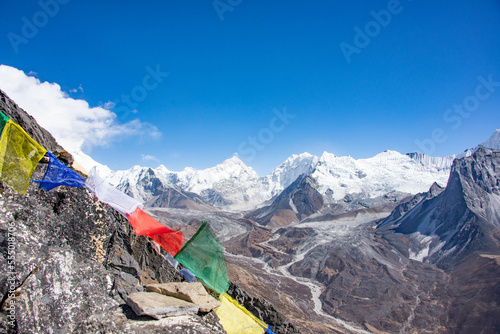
(3,120)
(203,255)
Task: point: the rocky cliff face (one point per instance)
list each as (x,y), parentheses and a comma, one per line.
(69,261)
(296,202)
(410,203)
(462,219)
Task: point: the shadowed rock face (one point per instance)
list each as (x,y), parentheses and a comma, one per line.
(76,260)
(406,206)
(296,202)
(460,220)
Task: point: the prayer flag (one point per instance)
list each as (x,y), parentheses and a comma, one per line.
(172,261)
(203,255)
(19,156)
(59,174)
(110,195)
(169,241)
(144,224)
(187,275)
(236,319)
(3,120)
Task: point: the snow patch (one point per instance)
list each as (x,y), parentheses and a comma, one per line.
(292,205)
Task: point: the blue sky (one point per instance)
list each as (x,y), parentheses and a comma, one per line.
(208,79)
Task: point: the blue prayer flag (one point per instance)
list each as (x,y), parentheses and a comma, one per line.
(269,331)
(187,275)
(58,174)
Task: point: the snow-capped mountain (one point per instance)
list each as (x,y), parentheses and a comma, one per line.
(386,172)
(232,185)
(293,167)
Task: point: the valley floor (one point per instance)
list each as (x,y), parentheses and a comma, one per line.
(338,276)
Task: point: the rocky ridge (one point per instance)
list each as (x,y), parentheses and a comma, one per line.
(77,261)
(448,225)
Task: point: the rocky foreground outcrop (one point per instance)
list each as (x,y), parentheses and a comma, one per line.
(69,262)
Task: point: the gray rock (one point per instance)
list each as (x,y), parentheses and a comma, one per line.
(159,306)
(191,292)
(54,291)
(122,319)
(463,218)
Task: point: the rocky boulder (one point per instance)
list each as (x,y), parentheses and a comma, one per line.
(158,306)
(191,292)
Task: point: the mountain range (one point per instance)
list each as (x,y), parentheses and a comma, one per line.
(233,186)
(69,262)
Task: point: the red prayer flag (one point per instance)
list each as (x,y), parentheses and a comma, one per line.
(144,224)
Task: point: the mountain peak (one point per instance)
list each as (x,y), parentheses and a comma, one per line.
(305,155)
(296,159)
(327,155)
(493,142)
(388,154)
(234,160)
(162,169)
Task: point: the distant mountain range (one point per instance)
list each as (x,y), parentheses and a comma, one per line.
(233,186)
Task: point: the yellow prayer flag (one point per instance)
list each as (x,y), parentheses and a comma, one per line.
(19,156)
(236,319)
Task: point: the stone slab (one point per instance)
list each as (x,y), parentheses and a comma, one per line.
(160,306)
(191,292)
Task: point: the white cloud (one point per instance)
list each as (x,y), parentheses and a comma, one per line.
(75,90)
(148,157)
(109,105)
(73,123)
